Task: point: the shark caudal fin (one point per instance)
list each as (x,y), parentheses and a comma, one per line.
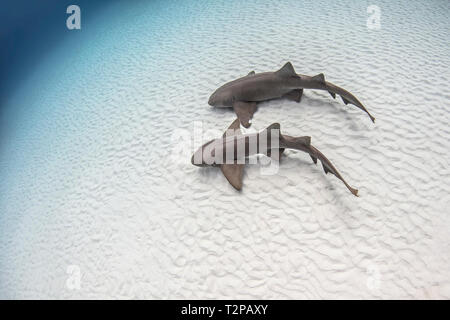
(346,97)
(328,167)
(318,82)
(304,144)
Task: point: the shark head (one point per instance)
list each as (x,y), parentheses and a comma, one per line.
(204,156)
(222,97)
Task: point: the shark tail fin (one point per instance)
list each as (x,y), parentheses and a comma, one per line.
(328,167)
(274,128)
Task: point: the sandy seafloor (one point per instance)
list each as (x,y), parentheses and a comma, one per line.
(96,177)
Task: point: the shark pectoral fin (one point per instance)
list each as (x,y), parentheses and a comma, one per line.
(244,111)
(294,95)
(233,173)
(233,129)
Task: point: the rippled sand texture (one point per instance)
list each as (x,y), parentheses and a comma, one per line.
(96,173)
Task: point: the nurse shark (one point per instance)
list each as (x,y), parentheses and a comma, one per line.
(244,93)
(232,150)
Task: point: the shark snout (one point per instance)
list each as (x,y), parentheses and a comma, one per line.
(217,98)
(197,160)
(193,161)
(211,100)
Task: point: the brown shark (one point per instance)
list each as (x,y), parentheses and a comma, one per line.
(244,93)
(231,152)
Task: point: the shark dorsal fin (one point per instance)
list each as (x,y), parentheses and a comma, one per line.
(233,129)
(320,78)
(251,73)
(273,126)
(286,71)
(233,173)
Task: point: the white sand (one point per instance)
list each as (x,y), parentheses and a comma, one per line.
(93,179)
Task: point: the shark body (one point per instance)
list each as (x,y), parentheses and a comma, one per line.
(224,152)
(244,93)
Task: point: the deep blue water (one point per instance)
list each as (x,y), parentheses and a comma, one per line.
(29,31)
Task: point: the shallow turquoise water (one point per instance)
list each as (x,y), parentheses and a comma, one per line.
(94,175)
